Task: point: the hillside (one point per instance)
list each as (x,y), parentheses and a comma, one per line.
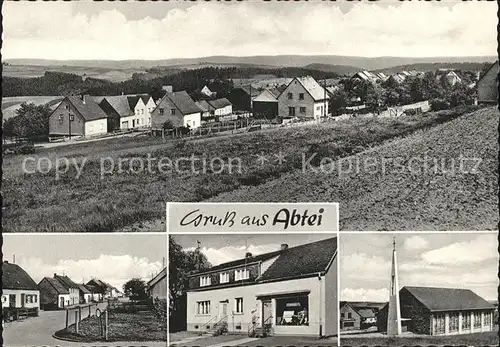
(367,63)
(465,66)
(399,189)
(338,69)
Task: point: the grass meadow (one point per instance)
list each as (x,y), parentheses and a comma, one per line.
(39,202)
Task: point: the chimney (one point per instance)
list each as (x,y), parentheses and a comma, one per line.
(55,275)
(6,261)
(284,246)
(248,255)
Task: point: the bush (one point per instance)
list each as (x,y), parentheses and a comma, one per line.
(439,104)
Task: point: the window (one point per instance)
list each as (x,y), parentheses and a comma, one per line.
(301,96)
(342,315)
(162,110)
(318,108)
(238,303)
(292,310)
(487,319)
(172,111)
(71,117)
(349,315)
(205,281)
(203,307)
(465,320)
(302,110)
(453,322)
(61,116)
(241,274)
(66,107)
(439,324)
(30,299)
(290,96)
(477,319)
(224,277)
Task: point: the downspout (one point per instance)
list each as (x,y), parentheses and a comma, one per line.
(320,306)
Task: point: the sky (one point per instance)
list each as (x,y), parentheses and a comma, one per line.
(113,258)
(223,248)
(183,29)
(450,260)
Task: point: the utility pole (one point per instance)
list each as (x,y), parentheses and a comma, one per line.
(69,118)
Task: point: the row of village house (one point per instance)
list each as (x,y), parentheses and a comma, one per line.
(302,97)
(20,291)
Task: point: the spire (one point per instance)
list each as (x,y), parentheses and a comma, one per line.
(394,312)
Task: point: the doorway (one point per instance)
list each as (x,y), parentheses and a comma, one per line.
(23,300)
(267,312)
(12,300)
(291,112)
(223,309)
(61,302)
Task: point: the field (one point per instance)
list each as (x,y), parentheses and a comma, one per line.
(12,103)
(142,326)
(443,178)
(109,74)
(93,202)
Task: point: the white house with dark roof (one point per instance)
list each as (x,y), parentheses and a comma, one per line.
(303,98)
(131,111)
(441,311)
(18,288)
(291,291)
(179,109)
(221,107)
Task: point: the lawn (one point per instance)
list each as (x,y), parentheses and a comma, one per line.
(479,339)
(39,202)
(140,326)
(411,183)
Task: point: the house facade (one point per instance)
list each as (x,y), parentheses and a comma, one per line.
(303,98)
(177,108)
(157,286)
(133,111)
(85,294)
(292,291)
(77,117)
(442,311)
(487,86)
(97,289)
(221,107)
(53,295)
(18,288)
(356,317)
(207,92)
(265,105)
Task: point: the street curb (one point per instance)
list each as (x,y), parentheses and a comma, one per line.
(102,343)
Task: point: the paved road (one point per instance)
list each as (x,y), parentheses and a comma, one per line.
(38,331)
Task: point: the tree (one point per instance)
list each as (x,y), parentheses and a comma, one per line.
(31,120)
(135,289)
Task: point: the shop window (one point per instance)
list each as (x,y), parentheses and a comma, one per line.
(292,310)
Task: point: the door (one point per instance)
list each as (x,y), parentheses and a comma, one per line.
(267,312)
(291,112)
(61,302)
(222,309)
(12,300)
(133,123)
(23,299)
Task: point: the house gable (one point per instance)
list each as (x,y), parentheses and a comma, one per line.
(63,111)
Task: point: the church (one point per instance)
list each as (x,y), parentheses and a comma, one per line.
(433,311)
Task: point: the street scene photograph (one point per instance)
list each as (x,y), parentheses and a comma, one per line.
(411,289)
(74,290)
(112,109)
(253,290)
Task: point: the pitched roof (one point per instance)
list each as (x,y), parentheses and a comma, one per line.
(219,103)
(132,101)
(66,282)
(162,274)
(96,286)
(84,289)
(249,89)
(203,105)
(316,91)
(119,103)
(307,259)
(267,96)
(310,258)
(14,277)
(366,312)
(487,71)
(57,285)
(183,102)
(447,299)
(89,110)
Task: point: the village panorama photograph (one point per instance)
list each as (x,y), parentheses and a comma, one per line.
(116,108)
(410,289)
(81,290)
(253,290)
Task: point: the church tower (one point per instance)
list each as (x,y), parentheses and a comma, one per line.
(394,313)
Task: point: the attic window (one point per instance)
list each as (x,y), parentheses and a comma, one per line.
(290,96)
(205,281)
(242,274)
(172,111)
(71,117)
(224,277)
(301,96)
(162,110)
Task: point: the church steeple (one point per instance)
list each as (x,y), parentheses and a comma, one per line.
(394,312)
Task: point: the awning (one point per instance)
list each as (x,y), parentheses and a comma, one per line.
(281,294)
